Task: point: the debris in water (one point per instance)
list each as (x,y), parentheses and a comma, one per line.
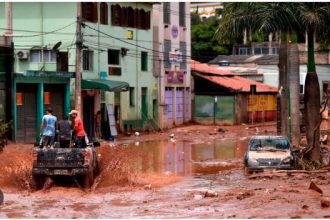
(245,195)
(172,135)
(221,130)
(211,193)
(198,196)
(148,186)
(137,134)
(325,201)
(313,186)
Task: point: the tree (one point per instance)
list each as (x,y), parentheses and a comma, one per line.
(203,46)
(314,19)
(286,17)
(263,18)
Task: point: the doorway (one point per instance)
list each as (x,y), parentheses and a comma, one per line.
(144,106)
(26,104)
(88,115)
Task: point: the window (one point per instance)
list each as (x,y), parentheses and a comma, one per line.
(183,50)
(113,57)
(166,13)
(35,56)
(129,17)
(88,60)
(49,56)
(167,49)
(144,61)
(131,96)
(89,11)
(103,13)
(116,15)
(182,17)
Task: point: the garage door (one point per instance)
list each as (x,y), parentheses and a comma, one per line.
(26,113)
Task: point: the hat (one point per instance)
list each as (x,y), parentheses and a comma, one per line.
(73,112)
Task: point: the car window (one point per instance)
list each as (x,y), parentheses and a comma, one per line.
(274,143)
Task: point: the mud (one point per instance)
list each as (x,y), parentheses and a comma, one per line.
(153,176)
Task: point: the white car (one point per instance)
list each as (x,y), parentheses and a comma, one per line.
(268,152)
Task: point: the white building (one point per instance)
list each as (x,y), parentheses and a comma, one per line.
(206,9)
(172,62)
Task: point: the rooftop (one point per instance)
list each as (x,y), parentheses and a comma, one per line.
(227,79)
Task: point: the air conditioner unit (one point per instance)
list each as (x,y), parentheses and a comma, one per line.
(22,54)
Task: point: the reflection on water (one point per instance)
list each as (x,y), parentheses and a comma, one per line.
(177,158)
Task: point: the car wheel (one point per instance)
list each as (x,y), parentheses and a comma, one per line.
(88,179)
(37,182)
(247,171)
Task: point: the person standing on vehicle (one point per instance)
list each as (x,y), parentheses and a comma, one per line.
(47,128)
(78,128)
(64,127)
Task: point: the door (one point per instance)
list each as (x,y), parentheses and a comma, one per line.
(26,104)
(169,102)
(144,106)
(62,62)
(179,105)
(88,115)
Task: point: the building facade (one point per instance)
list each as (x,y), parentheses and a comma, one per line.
(172,62)
(116,64)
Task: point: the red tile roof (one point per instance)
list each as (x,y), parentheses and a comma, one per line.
(228,80)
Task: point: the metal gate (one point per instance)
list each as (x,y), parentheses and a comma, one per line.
(179,105)
(169,102)
(54,99)
(26,104)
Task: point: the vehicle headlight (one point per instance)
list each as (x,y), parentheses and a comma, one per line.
(286,160)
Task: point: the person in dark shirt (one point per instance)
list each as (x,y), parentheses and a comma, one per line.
(65,131)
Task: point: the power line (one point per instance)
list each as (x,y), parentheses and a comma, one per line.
(41,33)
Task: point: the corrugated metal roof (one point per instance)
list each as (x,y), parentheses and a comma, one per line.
(228,80)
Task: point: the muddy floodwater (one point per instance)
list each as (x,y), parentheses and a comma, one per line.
(154,176)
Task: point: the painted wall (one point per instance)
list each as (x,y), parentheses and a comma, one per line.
(161,32)
(32,24)
(130,64)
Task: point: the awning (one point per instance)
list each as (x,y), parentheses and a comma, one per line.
(107,85)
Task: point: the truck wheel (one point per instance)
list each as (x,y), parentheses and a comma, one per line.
(37,182)
(88,179)
(247,171)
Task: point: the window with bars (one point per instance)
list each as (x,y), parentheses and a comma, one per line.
(144,61)
(87,60)
(167,12)
(167,49)
(183,50)
(182,9)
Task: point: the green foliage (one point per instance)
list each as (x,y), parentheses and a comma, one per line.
(202,36)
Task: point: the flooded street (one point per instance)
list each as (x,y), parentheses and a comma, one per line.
(153,176)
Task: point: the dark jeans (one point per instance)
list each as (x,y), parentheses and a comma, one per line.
(48,140)
(80,142)
(64,143)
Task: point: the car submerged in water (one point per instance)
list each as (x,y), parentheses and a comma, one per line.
(268,152)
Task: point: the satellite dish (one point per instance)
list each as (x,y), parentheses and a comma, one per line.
(57,45)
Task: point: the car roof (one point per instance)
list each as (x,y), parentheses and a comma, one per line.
(268,137)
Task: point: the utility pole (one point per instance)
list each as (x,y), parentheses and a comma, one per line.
(9,66)
(79,41)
